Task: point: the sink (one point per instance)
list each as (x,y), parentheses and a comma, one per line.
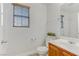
(71,42)
(66,42)
(62,41)
(77,44)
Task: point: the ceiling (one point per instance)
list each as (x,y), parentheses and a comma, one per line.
(71,7)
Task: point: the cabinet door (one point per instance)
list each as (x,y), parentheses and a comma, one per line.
(54,51)
(66,54)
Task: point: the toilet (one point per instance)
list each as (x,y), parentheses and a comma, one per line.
(42,50)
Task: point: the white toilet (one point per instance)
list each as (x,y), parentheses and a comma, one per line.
(42,50)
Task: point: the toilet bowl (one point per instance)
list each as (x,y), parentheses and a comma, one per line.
(42,50)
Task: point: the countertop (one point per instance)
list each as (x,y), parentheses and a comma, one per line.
(73,48)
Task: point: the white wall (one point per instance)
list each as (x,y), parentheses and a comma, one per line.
(1,27)
(71,19)
(21,39)
(53,16)
(0,22)
(73,24)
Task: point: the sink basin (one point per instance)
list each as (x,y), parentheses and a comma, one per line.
(62,41)
(77,44)
(66,42)
(71,42)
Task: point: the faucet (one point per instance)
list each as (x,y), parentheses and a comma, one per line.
(71,42)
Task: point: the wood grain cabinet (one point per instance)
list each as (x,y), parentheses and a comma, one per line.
(54,50)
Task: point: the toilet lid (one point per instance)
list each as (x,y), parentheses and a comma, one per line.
(42,48)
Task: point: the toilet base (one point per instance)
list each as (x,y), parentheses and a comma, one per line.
(42,51)
(45,54)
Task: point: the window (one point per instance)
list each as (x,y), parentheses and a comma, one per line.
(20,16)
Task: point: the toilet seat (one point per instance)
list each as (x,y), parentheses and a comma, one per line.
(42,48)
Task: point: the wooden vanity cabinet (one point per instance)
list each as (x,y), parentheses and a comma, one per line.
(54,50)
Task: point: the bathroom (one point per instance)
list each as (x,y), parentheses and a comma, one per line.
(43,18)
